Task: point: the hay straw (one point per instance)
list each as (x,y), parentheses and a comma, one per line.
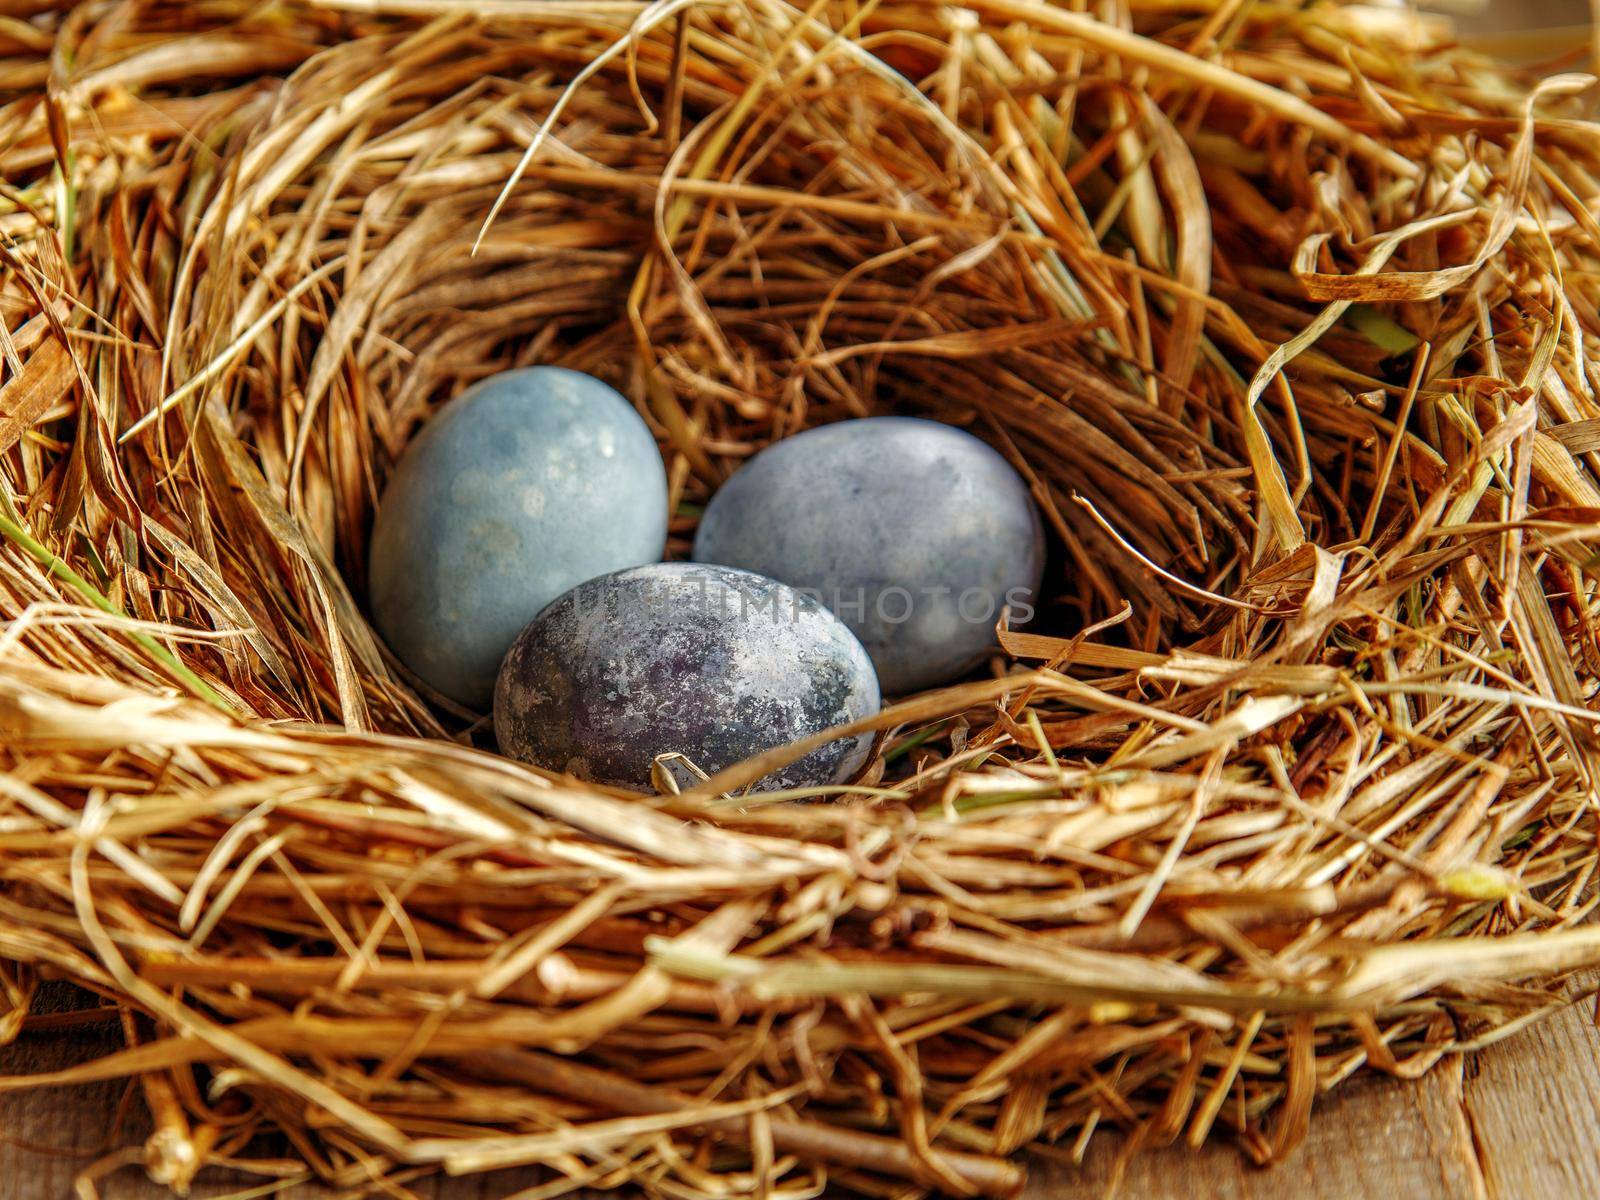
(1287,315)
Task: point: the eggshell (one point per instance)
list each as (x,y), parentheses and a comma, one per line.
(915,533)
(706,661)
(524,485)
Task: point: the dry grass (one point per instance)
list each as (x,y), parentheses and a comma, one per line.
(1288,313)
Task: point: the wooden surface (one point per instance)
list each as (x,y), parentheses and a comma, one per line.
(1521,1121)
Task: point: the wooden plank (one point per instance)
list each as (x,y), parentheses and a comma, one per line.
(1521,1120)
(1535,1110)
(1372,1137)
(48,1137)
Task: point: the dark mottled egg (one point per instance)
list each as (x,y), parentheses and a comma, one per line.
(709,662)
(524,485)
(915,533)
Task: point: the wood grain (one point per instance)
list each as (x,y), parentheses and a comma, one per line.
(1519,1121)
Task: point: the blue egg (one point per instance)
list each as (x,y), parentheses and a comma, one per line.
(916,534)
(704,661)
(524,485)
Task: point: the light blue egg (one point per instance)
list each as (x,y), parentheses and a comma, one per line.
(524,485)
(916,534)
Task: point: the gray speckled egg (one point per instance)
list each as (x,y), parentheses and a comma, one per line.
(712,663)
(916,534)
(525,484)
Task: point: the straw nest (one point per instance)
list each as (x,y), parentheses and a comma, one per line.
(1288,315)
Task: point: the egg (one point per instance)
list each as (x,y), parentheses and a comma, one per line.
(706,661)
(527,483)
(915,533)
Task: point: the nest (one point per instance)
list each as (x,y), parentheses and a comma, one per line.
(1287,315)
